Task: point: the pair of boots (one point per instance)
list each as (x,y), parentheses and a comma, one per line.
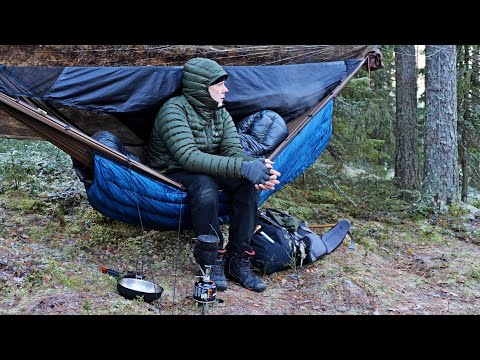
(236,267)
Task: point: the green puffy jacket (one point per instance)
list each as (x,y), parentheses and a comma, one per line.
(191,133)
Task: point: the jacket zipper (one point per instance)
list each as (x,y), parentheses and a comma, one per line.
(209,132)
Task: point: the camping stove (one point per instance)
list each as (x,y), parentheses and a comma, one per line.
(205,253)
(205,291)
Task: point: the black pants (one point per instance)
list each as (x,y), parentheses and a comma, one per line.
(203,200)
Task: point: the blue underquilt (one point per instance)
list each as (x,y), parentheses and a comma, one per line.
(126,195)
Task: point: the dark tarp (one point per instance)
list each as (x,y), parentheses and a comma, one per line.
(128,97)
(124,101)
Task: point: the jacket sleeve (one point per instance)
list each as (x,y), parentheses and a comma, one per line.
(172,123)
(230,145)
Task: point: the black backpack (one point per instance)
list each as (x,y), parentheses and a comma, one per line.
(284,242)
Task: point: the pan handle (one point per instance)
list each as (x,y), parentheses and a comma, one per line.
(110,272)
(118,275)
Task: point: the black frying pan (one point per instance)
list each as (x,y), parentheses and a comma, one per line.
(132,286)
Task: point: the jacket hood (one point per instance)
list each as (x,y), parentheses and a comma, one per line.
(198,75)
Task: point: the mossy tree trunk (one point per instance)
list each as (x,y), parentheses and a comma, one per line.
(406,151)
(440,185)
(463,110)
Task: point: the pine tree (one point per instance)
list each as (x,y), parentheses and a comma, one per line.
(406,134)
(440,185)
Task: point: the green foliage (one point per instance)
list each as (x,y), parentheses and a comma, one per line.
(430,234)
(106,232)
(456,211)
(18,200)
(325,197)
(364,118)
(474,274)
(468,106)
(476,203)
(36,167)
(373,150)
(12,172)
(365,241)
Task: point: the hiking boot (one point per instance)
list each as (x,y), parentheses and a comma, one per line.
(217,274)
(239,268)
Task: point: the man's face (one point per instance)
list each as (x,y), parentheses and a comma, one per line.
(217,92)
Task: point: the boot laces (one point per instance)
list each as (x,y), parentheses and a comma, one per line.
(217,269)
(245,267)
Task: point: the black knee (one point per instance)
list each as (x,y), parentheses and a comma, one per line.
(207,198)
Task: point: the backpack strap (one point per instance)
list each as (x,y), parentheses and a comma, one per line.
(304,227)
(299,248)
(302,251)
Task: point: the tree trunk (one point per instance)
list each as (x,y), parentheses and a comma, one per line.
(406,134)
(463,108)
(440,185)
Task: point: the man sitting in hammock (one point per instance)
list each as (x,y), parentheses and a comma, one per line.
(195,142)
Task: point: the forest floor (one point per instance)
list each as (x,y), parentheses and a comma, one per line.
(53,243)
